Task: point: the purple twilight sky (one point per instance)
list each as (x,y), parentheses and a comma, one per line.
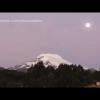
(64,34)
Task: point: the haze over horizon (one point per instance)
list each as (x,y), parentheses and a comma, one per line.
(73,36)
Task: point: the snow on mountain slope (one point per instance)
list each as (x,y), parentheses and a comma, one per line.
(52,59)
(47,59)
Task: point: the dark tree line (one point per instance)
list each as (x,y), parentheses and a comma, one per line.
(39,76)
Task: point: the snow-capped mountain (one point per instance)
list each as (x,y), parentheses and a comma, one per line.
(47,59)
(52,59)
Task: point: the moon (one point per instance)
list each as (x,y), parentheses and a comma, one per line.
(88,25)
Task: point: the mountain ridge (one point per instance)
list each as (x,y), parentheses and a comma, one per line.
(47,59)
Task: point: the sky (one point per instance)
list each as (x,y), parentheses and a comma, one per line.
(65,34)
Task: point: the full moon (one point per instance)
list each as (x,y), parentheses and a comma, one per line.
(87,25)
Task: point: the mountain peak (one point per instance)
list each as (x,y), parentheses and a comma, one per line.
(47,59)
(52,59)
